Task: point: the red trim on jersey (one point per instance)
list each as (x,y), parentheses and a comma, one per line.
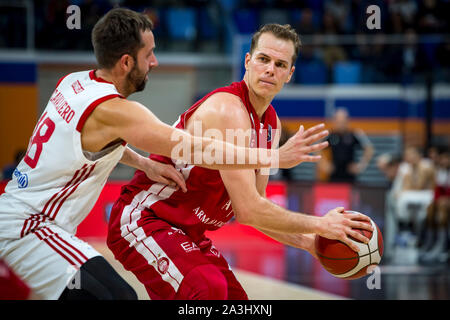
(44,238)
(61,79)
(58,199)
(50,236)
(91,108)
(95,78)
(71,192)
(32,223)
(149,250)
(63,190)
(72,247)
(64,245)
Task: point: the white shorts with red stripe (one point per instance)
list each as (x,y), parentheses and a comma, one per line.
(46,259)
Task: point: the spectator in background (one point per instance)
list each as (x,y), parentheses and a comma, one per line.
(414,58)
(306,26)
(435,247)
(442,54)
(342,167)
(416,192)
(340,10)
(396,24)
(54,33)
(406,9)
(332,52)
(431,17)
(390,166)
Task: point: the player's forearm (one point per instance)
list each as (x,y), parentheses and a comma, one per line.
(133,159)
(217,154)
(301,241)
(264,214)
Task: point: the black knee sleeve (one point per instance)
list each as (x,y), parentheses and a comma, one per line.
(98,280)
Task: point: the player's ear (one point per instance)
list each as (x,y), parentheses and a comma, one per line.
(126,62)
(247,60)
(291,73)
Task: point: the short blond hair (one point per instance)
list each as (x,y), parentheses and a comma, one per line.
(285,32)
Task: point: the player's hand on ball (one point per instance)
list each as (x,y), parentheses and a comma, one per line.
(335,225)
(165,173)
(298,148)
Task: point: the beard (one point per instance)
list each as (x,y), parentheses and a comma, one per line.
(136,79)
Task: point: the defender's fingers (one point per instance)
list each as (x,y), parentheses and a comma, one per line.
(177,178)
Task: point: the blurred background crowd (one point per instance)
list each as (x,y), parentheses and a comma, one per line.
(332,31)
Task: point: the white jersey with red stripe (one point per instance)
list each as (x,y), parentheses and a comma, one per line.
(57,182)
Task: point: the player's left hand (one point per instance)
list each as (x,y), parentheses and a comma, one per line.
(165,173)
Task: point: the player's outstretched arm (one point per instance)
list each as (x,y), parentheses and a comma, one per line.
(132,122)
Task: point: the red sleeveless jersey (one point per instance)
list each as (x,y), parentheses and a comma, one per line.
(206,205)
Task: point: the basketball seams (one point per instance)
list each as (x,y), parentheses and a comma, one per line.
(371,255)
(356,257)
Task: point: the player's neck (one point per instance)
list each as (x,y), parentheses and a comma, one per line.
(259,103)
(119,83)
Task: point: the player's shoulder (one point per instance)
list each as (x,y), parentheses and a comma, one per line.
(118,104)
(224,102)
(226,108)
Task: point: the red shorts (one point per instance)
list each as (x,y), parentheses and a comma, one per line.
(170,264)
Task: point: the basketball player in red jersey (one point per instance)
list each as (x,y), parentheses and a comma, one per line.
(157,232)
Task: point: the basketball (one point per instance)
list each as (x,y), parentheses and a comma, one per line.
(342,262)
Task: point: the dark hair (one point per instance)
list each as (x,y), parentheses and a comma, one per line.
(285,32)
(117,33)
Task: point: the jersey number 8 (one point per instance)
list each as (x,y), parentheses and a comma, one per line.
(45,126)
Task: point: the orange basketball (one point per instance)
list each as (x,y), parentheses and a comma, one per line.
(342,262)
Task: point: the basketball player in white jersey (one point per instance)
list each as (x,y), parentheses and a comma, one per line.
(77,142)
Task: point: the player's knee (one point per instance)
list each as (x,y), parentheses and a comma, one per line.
(205,282)
(104,282)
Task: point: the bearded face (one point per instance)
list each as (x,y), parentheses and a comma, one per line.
(137,79)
